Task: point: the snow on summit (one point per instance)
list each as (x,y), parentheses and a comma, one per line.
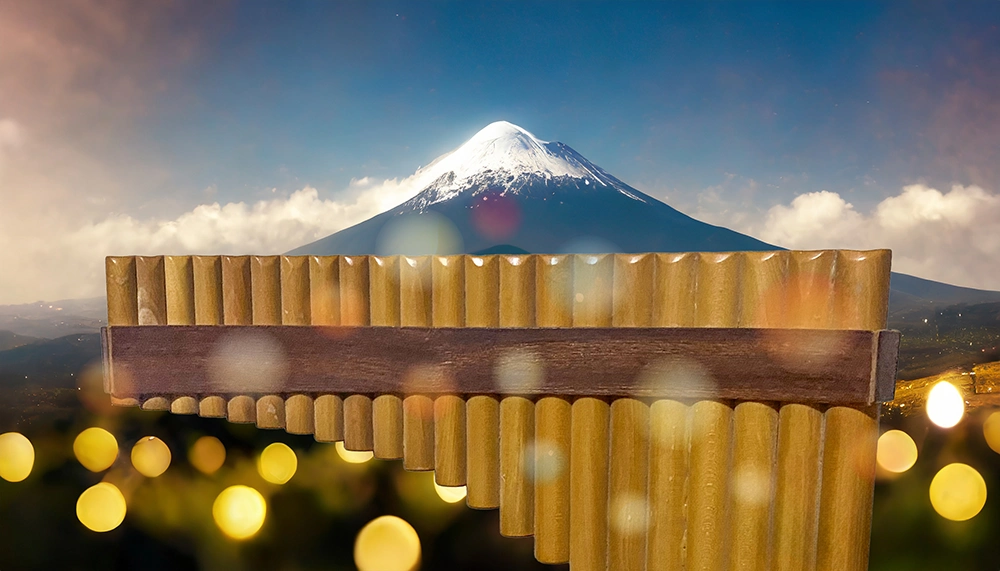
(506,156)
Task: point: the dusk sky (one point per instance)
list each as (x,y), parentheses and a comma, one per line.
(251,127)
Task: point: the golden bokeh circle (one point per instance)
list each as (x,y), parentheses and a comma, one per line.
(96,449)
(387,543)
(991,430)
(239,511)
(945,405)
(450,494)
(151,456)
(207,454)
(101,507)
(17,456)
(277,463)
(958,492)
(897,452)
(353,456)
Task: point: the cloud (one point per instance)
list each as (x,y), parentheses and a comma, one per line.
(950,236)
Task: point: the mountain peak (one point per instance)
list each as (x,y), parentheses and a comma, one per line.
(503,130)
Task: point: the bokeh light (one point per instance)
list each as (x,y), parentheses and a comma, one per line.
(17,456)
(239,511)
(96,449)
(897,452)
(351,456)
(450,494)
(277,463)
(101,507)
(958,492)
(991,430)
(151,456)
(387,543)
(945,405)
(207,454)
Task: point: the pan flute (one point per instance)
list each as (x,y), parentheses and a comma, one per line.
(630,411)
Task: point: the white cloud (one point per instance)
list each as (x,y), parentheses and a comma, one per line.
(952,237)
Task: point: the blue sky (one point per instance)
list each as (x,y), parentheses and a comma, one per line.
(122,119)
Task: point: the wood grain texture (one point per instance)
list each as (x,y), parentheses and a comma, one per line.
(236,292)
(797,486)
(755,431)
(802,365)
(589,425)
(669,462)
(483,452)
(708,541)
(151,290)
(418,433)
(517,414)
(179,277)
(718,289)
(299,414)
(184,405)
(121,290)
(762,290)
(517,467)
(242,409)
(324,290)
(207,275)
(295,298)
(633,290)
(449,440)
(387,428)
(552,452)
(448,291)
(270,412)
(675,287)
(265,280)
(588,485)
(482,309)
(212,406)
(355,311)
(628,499)
(358,423)
(329,417)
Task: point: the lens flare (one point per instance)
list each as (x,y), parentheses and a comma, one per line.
(207,455)
(277,463)
(17,456)
(450,494)
(897,452)
(351,456)
(151,456)
(96,449)
(945,405)
(387,543)
(958,492)
(239,511)
(101,507)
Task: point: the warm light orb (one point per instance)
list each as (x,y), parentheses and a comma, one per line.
(945,405)
(150,456)
(450,494)
(351,456)
(101,507)
(17,456)
(207,455)
(387,543)
(958,492)
(897,452)
(991,430)
(239,511)
(96,449)
(277,463)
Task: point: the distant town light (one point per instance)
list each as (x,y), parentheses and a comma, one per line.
(17,456)
(945,405)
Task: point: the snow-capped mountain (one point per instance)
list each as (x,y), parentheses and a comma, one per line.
(505,190)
